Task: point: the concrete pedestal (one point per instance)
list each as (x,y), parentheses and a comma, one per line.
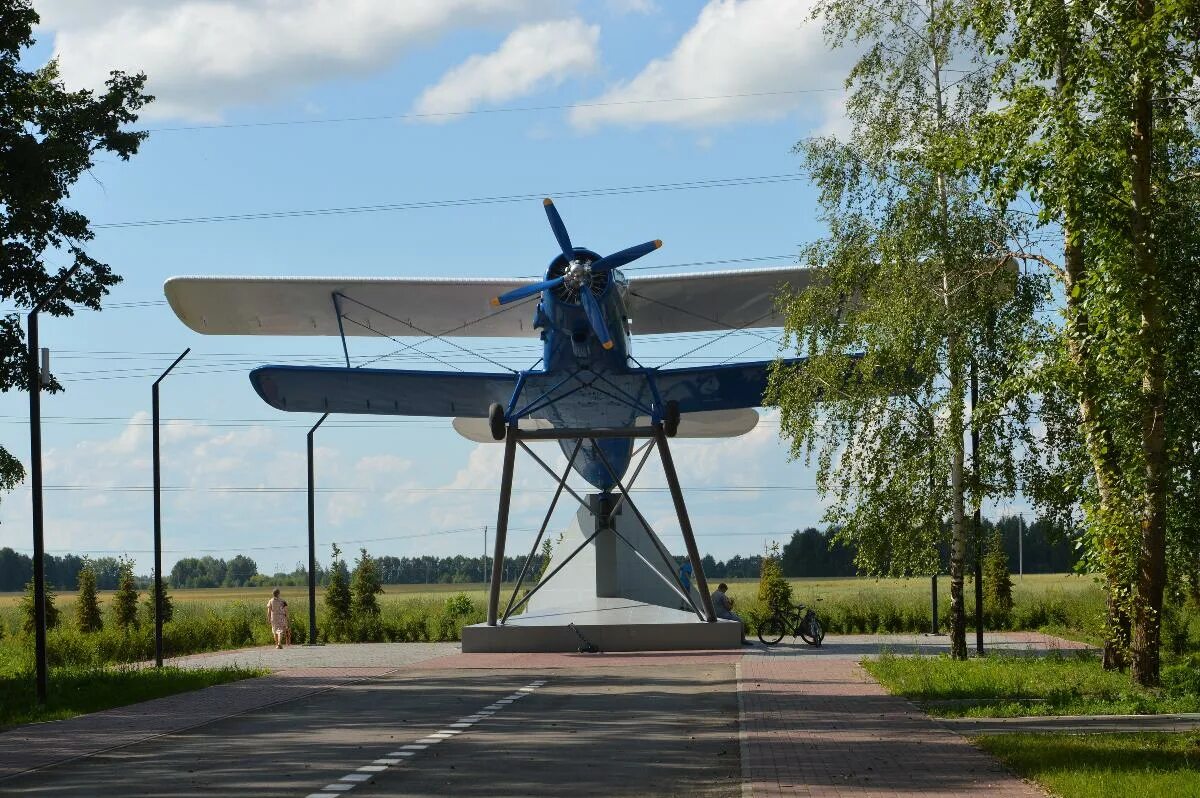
(615,592)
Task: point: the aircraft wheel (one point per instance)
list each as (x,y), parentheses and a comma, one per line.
(671,419)
(497,422)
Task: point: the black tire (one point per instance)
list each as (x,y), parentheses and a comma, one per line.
(671,418)
(496,421)
(771,631)
(811,631)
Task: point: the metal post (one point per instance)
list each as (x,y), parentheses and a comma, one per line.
(506,478)
(1021,545)
(158,581)
(483,570)
(312,538)
(35,476)
(933,624)
(685,525)
(35,480)
(978,524)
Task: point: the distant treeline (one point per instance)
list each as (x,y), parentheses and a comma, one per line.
(807,553)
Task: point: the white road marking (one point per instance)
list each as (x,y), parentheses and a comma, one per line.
(367,772)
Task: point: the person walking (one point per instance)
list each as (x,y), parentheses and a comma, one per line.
(277,617)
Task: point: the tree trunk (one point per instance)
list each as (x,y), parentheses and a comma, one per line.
(1151,557)
(1096,433)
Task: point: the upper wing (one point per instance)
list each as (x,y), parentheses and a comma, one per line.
(369,306)
(673,303)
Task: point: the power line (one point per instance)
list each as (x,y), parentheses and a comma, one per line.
(478,111)
(689,185)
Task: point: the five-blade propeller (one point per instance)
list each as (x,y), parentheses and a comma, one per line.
(578,274)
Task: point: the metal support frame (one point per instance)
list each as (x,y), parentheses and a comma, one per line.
(312,538)
(658,439)
(158,578)
(34,373)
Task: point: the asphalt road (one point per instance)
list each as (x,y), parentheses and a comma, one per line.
(639,731)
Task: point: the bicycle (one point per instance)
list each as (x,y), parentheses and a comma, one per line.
(802,621)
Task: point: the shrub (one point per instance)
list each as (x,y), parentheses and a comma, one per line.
(168,606)
(126,598)
(337,598)
(774,591)
(27,609)
(997,581)
(87,608)
(364,587)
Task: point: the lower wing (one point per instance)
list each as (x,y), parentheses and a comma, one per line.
(725,387)
(387,392)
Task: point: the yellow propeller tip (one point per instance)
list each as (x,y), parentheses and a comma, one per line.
(607,344)
(657,243)
(495,301)
(547,201)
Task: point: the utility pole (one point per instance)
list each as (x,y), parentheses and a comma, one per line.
(158,580)
(35,485)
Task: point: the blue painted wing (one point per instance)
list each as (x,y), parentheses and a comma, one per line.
(717,387)
(314,389)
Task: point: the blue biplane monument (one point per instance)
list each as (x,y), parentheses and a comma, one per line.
(617,586)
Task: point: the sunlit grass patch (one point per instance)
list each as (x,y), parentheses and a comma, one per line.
(79,690)
(1012,686)
(1103,765)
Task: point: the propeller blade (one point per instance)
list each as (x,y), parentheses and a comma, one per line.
(596,316)
(560,229)
(619,259)
(525,290)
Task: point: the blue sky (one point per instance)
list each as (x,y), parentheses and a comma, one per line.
(608,78)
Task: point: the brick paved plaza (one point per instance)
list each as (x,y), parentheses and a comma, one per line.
(803,721)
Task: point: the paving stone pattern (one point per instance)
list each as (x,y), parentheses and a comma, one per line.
(821,726)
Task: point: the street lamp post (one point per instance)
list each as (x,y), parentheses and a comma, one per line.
(35,479)
(312,538)
(158,579)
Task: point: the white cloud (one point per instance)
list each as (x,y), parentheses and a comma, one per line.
(646,7)
(532,58)
(205,56)
(736,47)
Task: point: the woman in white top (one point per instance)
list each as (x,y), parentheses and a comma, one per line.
(277,617)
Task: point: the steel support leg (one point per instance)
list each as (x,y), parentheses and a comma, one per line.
(506,479)
(685,525)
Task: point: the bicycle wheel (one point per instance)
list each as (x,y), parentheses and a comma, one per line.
(811,630)
(771,631)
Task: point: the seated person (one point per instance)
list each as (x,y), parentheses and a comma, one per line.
(723,605)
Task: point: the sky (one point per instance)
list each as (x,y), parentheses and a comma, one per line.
(457,115)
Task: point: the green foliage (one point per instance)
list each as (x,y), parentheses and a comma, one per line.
(27,609)
(168,605)
(124,602)
(774,590)
(459,604)
(337,597)
(364,587)
(87,607)
(997,581)
(1103,765)
(51,137)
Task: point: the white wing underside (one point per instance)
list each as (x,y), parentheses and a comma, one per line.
(403,306)
(705,424)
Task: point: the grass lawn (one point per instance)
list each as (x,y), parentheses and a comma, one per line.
(76,691)
(1104,765)
(1011,686)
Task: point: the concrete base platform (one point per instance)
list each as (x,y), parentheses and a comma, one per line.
(611,624)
